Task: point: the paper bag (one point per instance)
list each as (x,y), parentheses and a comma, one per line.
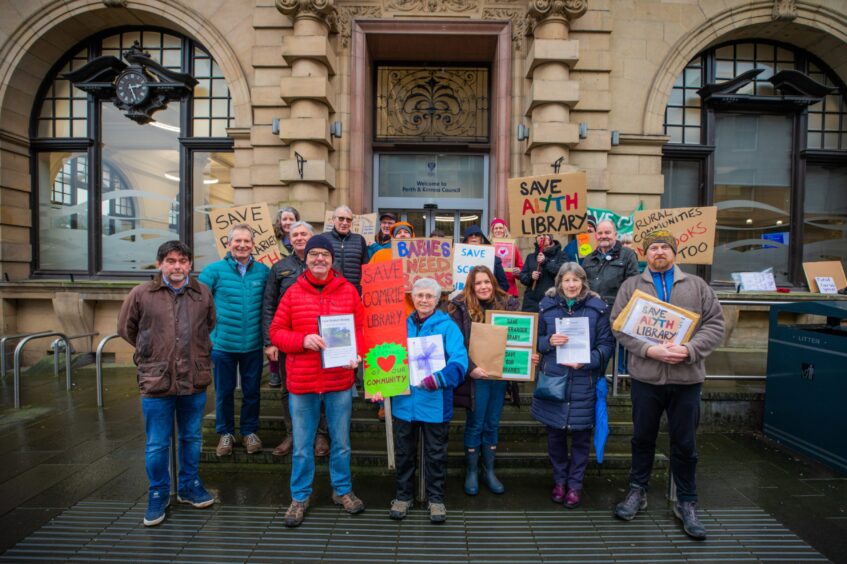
(488,347)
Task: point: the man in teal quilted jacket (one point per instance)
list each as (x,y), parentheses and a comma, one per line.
(237,283)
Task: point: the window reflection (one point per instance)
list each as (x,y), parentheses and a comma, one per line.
(212,190)
(63,225)
(825,213)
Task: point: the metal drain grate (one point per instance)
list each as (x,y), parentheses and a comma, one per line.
(112,532)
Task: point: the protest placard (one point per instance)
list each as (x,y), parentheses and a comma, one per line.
(364,225)
(825,268)
(383,296)
(465,257)
(425,258)
(585,243)
(694,229)
(265,249)
(623,223)
(520,342)
(651,320)
(550,204)
(505,249)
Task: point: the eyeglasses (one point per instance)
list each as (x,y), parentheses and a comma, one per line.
(319,254)
(423,296)
(344,219)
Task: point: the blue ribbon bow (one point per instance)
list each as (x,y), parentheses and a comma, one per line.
(424,361)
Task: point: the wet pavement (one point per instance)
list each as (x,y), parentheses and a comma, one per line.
(72,482)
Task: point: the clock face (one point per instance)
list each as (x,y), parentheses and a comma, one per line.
(132,88)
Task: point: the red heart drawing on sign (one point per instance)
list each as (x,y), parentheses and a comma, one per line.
(386,363)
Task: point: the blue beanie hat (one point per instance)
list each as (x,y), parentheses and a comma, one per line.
(320,242)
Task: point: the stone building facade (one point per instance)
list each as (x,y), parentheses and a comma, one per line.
(587,84)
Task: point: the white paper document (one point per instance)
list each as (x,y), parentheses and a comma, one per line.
(578,348)
(426,356)
(826,285)
(756,281)
(339,334)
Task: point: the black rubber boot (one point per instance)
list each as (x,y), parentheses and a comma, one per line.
(471,471)
(488,477)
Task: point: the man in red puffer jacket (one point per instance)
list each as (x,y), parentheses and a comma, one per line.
(319,291)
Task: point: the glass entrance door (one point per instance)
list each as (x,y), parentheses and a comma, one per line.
(450,223)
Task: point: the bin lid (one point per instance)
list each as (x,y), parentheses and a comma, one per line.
(830,308)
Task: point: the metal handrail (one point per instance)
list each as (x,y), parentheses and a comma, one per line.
(3,350)
(17,359)
(57,343)
(98,364)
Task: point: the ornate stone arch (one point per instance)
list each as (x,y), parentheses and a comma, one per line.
(802,23)
(45,35)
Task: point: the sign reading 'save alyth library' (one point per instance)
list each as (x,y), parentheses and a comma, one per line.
(550,204)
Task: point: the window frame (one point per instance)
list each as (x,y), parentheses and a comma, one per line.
(91,146)
(801,155)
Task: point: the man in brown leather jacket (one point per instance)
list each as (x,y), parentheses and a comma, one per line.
(169,321)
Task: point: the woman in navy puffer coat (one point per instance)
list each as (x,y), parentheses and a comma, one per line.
(571,297)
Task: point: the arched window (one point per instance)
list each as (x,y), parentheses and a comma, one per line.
(772,159)
(97,171)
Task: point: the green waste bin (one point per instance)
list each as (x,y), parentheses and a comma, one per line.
(806,390)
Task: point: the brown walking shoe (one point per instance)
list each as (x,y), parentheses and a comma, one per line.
(349,502)
(252,443)
(295,514)
(224,447)
(284,448)
(321,445)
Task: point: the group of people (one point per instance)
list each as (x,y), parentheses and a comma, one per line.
(238,310)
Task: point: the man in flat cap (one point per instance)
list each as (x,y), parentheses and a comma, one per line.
(668,378)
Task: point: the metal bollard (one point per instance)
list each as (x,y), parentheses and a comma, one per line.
(98,364)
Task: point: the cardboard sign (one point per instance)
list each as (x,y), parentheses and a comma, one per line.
(465,257)
(520,342)
(364,225)
(694,229)
(383,296)
(755,281)
(831,268)
(550,204)
(651,320)
(265,248)
(505,249)
(425,258)
(585,243)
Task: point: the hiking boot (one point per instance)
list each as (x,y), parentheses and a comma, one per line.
(573,499)
(399,508)
(295,513)
(275,381)
(686,511)
(252,443)
(349,502)
(196,495)
(636,500)
(321,445)
(157,504)
(437,513)
(225,445)
(558,493)
(283,448)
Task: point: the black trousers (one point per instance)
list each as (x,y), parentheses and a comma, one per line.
(682,404)
(435,458)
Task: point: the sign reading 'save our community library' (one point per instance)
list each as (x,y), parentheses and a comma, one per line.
(265,248)
(550,204)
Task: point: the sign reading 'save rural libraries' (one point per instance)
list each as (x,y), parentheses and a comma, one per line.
(693,228)
(265,249)
(550,204)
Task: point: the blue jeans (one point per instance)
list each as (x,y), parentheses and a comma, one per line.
(305,414)
(483,422)
(227,367)
(158,424)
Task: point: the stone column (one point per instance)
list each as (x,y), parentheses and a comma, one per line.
(551,94)
(311,97)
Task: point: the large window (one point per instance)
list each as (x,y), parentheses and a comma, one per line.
(773,163)
(136,178)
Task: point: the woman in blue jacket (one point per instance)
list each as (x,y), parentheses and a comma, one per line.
(428,407)
(571,297)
